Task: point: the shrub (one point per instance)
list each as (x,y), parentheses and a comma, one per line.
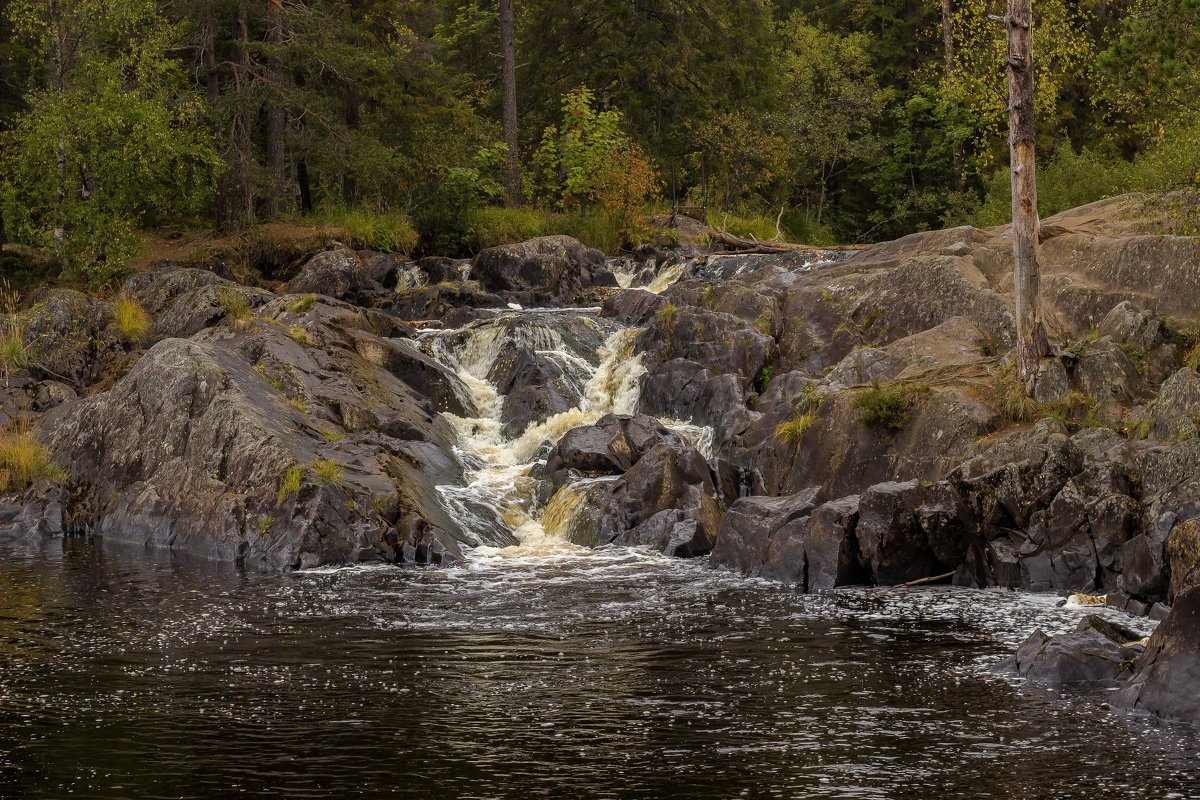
(888,405)
(595,228)
(24,460)
(490,227)
(131,319)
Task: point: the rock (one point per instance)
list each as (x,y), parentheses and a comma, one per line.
(51,394)
(550,266)
(1167,680)
(1176,412)
(342,274)
(38,511)
(668,478)
(1183,552)
(609,447)
(682,389)
(1053,382)
(1106,373)
(722,343)
(534,388)
(892,545)
(751,526)
(831,546)
(1127,326)
(68,338)
(866,365)
(1090,654)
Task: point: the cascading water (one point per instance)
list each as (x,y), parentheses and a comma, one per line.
(499,494)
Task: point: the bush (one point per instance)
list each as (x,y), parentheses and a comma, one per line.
(888,405)
(490,227)
(756,227)
(596,228)
(23,460)
(131,319)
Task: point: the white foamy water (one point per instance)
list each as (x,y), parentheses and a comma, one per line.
(499,492)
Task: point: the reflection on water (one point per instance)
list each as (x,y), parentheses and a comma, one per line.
(615,673)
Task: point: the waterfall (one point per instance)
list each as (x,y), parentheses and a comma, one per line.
(500,497)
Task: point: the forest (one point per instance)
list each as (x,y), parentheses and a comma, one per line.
(819,121)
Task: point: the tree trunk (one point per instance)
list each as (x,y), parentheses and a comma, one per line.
(276,155)
(241,145)
(208,31)
(349,180)
(956,155)
(508,57)
(1032,345)
(306,201)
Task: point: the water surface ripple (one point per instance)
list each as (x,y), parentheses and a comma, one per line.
(617,673)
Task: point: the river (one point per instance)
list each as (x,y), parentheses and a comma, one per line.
(536,668)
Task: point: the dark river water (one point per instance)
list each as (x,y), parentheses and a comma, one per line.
(613,674)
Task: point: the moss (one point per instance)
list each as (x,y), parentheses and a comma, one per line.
(763,380)
(888,405)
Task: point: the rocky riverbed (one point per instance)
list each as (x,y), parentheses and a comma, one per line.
(822,419)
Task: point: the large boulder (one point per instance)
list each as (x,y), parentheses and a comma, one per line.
(344,274)
(1176,411)
(831,546)
(549,266)
(1096,652)
(609,447)
(758,536)
(1167,680)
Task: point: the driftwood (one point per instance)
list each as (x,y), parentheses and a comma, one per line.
(930,579)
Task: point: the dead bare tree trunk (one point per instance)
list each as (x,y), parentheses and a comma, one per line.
(508,58)
(1032,345)
(276,155)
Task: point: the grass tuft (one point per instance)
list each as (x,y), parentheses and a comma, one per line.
(289,485)
(14,355)
(888,405)
(795,428)
(298,335)
(327,470)
(132,321)
(303,304)
(237,309)
(24,460)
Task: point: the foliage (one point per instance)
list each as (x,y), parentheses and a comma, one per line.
(589,159)
(888,405)
(303,305)
(114,138)
(131,320)
(289,484)
(24,460)
(14,353)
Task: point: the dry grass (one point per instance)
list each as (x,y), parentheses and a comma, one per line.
(24,460)
(237,310)
(14,354)
(132,321)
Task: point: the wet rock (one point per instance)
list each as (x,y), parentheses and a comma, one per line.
(418,542)
(550,266)
(683,389)
(609,447)
(633,306)
(831,546)
(669,478)
(752,537)
(534,388)
(722,343)
(892,545)
(1095,652)
(1167,680)
(38,511)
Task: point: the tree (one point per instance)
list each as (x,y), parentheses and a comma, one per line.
(508,54)
(113,138)
(276,120)
(1032,345)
